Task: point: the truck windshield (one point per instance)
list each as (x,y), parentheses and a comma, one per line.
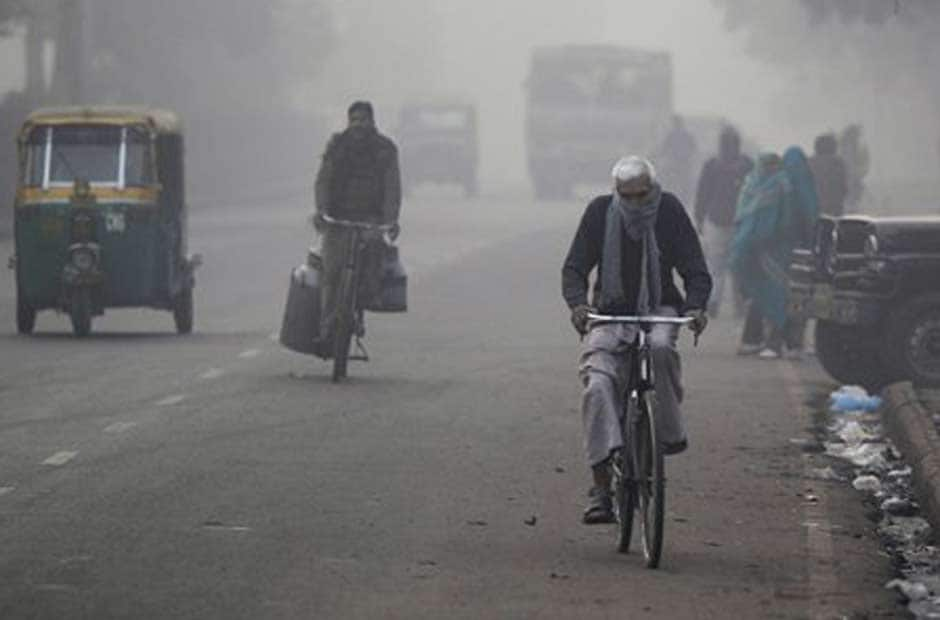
(104,155)
(600,84)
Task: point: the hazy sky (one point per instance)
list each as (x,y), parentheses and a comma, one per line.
(399,50)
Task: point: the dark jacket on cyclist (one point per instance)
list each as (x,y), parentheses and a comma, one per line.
(679,248)
(359,177)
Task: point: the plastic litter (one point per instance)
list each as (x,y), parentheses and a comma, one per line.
(867,455)
(911,590)
(871,484)
(926,609)
(898,474)
(905,530)
(825,473)
(899,506)
(854,433)
(853,398)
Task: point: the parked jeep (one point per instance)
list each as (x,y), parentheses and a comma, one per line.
(438,144)
(873,286)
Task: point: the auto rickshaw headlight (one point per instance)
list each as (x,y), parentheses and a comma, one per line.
(83,259)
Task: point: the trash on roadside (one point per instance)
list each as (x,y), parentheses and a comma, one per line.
(911,590)
(870,484)
(867,455)
(825,473)
(897,474)
(905,530)
(899,506)
(853,398)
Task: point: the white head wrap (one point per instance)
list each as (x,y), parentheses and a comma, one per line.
(632,167)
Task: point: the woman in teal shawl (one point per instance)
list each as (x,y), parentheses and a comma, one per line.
(765,235)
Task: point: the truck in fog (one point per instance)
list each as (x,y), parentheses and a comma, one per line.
(587,105)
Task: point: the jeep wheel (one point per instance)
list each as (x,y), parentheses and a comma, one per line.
(912,340)
(850,354)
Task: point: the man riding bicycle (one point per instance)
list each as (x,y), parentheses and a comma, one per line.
(358,180)
(635,237)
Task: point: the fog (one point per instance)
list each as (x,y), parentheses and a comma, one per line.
(783,71)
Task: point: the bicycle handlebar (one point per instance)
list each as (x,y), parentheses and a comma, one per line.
(640,320)
(352,224)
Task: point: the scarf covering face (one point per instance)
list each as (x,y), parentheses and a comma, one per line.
(638,222)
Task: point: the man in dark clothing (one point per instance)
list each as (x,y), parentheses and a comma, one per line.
(358,180)
(676,159)
(830,176)
(635,238)
(715,201)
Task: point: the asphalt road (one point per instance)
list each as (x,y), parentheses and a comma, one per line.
(146,475)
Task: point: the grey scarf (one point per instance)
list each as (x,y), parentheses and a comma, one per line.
(638,222)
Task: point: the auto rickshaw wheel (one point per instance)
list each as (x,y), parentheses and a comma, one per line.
(80,312)
(183,311)
(25,317)
(850,354)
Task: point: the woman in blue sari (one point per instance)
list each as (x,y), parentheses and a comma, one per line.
(760,252)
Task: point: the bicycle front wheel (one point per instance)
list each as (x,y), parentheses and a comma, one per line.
(625,498)
(651,479)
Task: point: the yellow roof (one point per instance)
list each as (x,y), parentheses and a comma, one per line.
(162,120)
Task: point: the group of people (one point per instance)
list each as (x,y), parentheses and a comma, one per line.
(633,239)
(752,215)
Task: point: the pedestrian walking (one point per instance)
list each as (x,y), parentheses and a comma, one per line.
(715,199)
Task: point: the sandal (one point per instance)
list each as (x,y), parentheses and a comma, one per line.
(600,508)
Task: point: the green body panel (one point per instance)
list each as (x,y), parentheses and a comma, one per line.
(136,253)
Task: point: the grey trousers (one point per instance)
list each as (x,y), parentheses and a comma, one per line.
(717,242)
(605,370)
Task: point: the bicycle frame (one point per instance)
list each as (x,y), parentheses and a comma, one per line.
(639,478)
(347,314)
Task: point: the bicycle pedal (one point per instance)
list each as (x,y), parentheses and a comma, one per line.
(361,354)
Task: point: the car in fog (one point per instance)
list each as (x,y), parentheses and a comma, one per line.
(438,143)
(587,105)
(873,286)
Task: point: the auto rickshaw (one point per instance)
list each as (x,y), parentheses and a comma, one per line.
(100,217)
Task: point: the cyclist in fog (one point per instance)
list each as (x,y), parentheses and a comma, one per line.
(635,238)
(830,175)
(358,180)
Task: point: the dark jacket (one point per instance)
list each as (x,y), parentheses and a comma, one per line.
(831,183)
(679,248)
(360,179)
(718,188)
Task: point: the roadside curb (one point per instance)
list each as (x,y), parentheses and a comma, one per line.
(912,428)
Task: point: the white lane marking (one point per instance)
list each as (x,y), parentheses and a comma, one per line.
(60,458)
(169,401)
(227,528)
(6,490)
(119,427)
(212,373)
(822,578)
(249,354)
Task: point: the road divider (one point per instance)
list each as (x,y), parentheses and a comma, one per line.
(169,401)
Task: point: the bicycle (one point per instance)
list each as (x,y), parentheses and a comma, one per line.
(639,476)
(348,314)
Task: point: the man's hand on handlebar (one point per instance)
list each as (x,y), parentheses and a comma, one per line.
(394,231)
(580,317)
(699,321)
(317,221)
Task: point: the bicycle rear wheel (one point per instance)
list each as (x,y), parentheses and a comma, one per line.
(625,499)
(343,327)
(651,480)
